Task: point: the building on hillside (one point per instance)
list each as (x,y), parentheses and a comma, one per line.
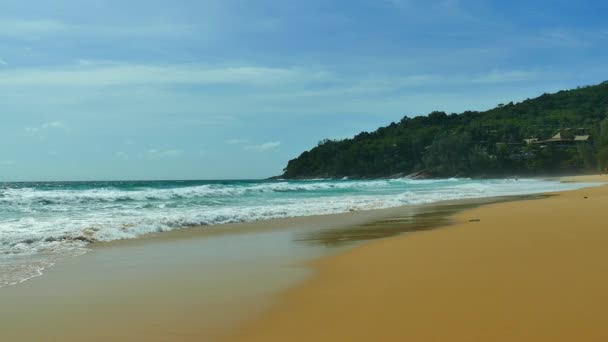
(557,139)
(565,140)
(582,138)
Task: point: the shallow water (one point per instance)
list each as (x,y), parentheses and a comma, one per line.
(194,284)
(42,223)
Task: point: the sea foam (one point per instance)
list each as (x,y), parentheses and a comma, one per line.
(42,223)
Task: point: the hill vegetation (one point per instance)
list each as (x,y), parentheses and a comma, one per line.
(476,144)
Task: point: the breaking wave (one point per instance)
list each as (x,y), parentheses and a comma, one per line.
(41,223)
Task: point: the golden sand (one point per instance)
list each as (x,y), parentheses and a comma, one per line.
(532,270)
(194,284)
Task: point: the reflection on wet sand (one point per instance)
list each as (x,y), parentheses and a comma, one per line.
(410,219)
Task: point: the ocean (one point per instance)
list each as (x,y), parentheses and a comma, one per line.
(42,223)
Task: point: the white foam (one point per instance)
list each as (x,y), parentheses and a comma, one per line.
(40,227)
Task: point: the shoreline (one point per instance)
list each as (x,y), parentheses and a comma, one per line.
(369,214)
(413,176)
(253,265)
(162,279)
(510,271)
(101,226)
(336,220)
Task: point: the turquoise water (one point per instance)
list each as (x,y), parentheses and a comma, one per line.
(41,223)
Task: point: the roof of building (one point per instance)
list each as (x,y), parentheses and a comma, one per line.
(557,138)
(581,138)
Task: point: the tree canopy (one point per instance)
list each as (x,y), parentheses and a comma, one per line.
(472,143)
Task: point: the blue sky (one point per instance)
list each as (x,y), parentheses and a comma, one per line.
(234,88)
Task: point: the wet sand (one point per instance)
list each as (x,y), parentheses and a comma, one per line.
(532,270)
(197,284)
(208,283)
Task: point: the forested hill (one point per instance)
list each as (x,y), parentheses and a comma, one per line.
(489,143)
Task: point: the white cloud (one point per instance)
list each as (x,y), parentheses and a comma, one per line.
(417,10)
(505,76)
(15,28)
(6,163)
(271,145)
(34,29)
(154,153)
(46,126)
(108,74)
(565,38)
(54,124)
(3,62)
(271,84)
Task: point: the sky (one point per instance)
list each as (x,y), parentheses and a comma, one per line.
(224,89)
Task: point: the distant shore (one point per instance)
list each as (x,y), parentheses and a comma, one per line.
(425,175)
(516,271)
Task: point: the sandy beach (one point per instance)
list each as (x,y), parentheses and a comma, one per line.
(497,269)
(519,271)
(196,284)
